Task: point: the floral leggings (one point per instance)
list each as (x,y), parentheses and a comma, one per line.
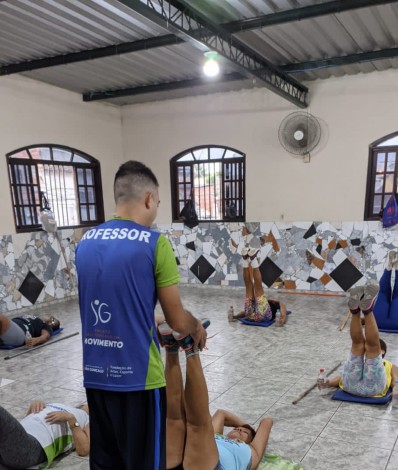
(364,377)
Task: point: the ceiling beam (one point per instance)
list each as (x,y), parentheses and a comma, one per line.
(167,86)
(303,13)
(271,19)
(290,68)
(184,22)
(341,61)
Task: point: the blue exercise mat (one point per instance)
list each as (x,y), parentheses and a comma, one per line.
(264,324)
(7,346)
(387,331)
(342,395)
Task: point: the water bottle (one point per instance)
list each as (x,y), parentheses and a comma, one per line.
(231,313)
(321,380)
(278,319)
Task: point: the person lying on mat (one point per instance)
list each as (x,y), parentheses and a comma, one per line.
(194,439)
(366,373)
(47,431)
(13,332)
(257,307)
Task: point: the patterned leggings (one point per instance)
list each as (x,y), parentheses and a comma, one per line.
(364,377)
(18,449)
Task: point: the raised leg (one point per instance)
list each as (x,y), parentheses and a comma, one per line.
(372,341)
(175,424)
(357,337)
(248,280)
(258,282)
(200,449)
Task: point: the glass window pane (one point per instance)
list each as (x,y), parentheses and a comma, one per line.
(389,183)
(84,215)
(187,173)
(22,154)
(20,174)
(231,154)
(386,198)
(40,153)
(186,158)
(379,183)
(391,156)
(390,142)
(201,154)
(93,212)
(82,195)
(61,155)
(80,159)
(90,194)
(89,177)
(376,204)
(381,160)
(80,176)
(216,153)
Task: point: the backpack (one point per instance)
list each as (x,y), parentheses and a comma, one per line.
(390,212)
(188,214)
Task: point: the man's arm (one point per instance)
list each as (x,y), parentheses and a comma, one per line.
(260,441)
(43,338)
(81,436)
(178,318)
(223,418)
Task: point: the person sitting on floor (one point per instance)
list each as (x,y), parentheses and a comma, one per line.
(194,439)
(366,373)
(257,307)
(13,332)
(47,431)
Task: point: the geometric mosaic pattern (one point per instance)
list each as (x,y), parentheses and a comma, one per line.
(31,287)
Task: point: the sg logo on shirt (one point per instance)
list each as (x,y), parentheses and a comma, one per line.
(100,315)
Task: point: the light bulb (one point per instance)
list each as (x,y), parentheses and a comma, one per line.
(211,68)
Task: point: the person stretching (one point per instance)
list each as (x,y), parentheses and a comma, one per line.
(366,373)
(194,439)
(257,307)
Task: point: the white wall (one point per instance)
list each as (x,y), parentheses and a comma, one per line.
(35,113)
(357,110)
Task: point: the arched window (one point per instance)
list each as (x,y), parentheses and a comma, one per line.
(213,177)
(68,179)
(382,175)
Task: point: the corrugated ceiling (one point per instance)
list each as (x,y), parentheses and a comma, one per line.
(37,29)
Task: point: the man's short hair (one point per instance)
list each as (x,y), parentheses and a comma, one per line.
(383,347)
(131,180)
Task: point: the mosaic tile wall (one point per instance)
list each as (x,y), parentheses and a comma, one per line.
(310,256)
(37,267)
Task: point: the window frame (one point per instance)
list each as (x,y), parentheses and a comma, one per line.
(175,165)
(374,150)
(31,165)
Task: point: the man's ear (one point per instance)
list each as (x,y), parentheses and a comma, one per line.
(148,200)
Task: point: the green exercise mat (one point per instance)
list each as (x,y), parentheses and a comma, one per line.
(277,462)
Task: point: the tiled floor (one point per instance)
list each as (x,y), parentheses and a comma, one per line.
(252,371)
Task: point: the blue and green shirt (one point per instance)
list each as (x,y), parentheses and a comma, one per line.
(120,264)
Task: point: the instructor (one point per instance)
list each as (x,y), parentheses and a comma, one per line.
(123,268)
